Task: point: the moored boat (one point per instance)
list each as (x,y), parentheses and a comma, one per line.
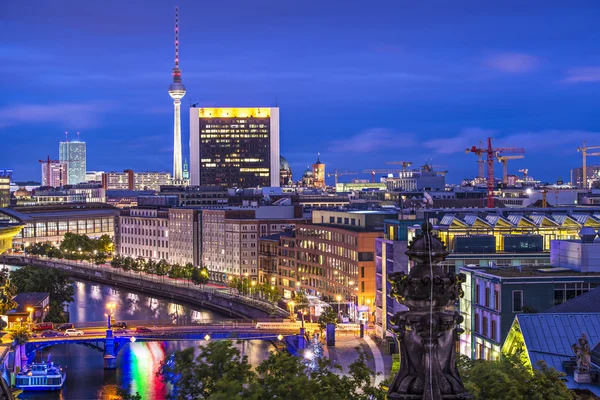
(41,377)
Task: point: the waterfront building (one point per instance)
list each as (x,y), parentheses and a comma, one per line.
(335,258)
(318,173)
(73,154)
(5,178)
(143,232)
(129,180)
(54,174)
(38,301)
(49,223)
(185,244)
(234,147)
(230,237)
(285,173)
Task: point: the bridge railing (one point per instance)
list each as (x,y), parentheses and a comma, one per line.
(67,265)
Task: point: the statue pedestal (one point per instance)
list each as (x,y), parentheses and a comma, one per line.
(582,377)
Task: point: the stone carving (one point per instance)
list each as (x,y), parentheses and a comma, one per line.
(583,353)
(427,332)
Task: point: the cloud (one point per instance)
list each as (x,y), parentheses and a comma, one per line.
(72,116)
(583,74)
(373,139)
(468,137)
(511,63)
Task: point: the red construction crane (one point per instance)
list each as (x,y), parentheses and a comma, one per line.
(491,153)
(380,171)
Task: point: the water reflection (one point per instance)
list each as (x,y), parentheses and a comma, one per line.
(137,362)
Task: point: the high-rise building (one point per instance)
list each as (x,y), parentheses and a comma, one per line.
(318,169)
(54,173)
(234,147)
(5,177)
(73,154)
(177,91)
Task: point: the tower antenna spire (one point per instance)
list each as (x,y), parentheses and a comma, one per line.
(177,91)
(78,136)
(67,137)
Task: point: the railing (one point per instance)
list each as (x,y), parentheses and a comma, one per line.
(223,292)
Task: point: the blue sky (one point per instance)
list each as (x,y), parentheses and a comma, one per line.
(360,82)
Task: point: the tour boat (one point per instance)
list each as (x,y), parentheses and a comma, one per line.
(41,376)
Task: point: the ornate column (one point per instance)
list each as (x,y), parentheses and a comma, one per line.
(428,331)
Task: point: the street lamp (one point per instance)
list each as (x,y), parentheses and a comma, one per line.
(207,337)
(111,308)
(252,288)
(30,311)
(292,304)
(280,337)
(338,298)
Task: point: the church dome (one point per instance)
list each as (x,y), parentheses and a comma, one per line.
(308,173)
(283,164)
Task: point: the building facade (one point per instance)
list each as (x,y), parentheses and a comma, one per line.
(5,178)
(230,237)
(50,223)
(74,155)
(54,174)
(318,170)
(234,147)
(144,232)
(185,244)
(129,180)
(210,196)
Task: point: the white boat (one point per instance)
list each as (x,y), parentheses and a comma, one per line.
(41,377)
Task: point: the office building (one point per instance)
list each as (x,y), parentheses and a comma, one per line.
(234,147)
(129,180)
(74,155)
(54,174)
(49,223)
(593,176)
(424,179)
(93,176)
(5,177)
(143,232)
(185,244)
(230,237)
(213,196)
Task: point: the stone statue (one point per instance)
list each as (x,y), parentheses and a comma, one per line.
(582,352)
(427,332)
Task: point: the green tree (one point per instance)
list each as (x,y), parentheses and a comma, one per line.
(200,276)
(7,292)
(508,379)
(328,316)
(219,367)
(104,244)
(270,292)
(55,282)
(99,258)
(125,395)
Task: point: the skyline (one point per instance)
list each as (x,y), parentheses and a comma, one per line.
(360,86)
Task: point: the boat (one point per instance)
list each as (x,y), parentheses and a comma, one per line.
(41,377)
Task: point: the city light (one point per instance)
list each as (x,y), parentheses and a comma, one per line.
(207,337)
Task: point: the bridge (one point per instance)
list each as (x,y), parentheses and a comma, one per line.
(216,298)
(109,342)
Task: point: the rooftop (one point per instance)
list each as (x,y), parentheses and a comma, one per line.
(533,271)
(586,303)
(29,299)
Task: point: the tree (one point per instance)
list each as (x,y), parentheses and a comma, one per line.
(117,262)
(7,292)
(270,292)
(328,316)
(301,301)
(55,282)
(218,368)
(125,395)
(200,276)
(104,244)
(508,379)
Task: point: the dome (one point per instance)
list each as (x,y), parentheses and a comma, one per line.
(283,164)
(22,192)
(308,173)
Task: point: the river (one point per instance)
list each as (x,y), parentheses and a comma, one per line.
(137,363)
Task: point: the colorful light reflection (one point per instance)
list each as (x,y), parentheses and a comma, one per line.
(141,362)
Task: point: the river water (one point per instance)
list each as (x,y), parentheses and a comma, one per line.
(137,363)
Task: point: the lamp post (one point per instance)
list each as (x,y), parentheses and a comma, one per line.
(253,283)
(338,298)
(291,304)
(30,311)
(111,309)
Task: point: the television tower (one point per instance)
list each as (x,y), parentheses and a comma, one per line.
(177,91)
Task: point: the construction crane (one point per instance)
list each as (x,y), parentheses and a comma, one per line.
(491,153)
(504,161)
(380,171)
(583,149)
(335,174)
(405,164)
(479,152)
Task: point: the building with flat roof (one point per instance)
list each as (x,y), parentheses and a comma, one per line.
(74,155)
(130,180)
(198,195)
(54,174)
(50,223)
(234,147)
(5,178)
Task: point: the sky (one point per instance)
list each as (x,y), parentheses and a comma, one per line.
(362,83)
